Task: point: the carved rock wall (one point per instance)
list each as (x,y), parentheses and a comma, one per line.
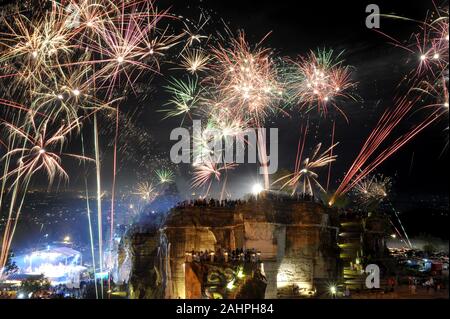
(297,241)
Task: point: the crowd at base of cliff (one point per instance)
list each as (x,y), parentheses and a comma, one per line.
(223,256)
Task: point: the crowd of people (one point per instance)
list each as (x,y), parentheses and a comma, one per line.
(6,294)
(224,256)
(431,284)
(209,203)
(53,292)
(227,203)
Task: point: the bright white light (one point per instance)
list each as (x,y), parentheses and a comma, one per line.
(257,189)
(436,56)
(41,151)
(423,57)
(60,96)
(333,290)
(34,54)
(120,59)
(76,92)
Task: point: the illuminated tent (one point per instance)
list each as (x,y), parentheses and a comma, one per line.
(59,264)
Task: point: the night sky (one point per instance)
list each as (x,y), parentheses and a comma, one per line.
(295,28)
(420,167)
(290,28)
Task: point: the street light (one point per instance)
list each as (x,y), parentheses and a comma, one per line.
(333,290)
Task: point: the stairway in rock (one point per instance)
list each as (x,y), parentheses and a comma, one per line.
(350,242)
(351,250)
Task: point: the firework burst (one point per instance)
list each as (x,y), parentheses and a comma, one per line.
(165,176)
(194,61)
(319,80)
(372,189)
(305,179)
(186,97)
(146,191)
(246,79)
(207,171)
(41,150)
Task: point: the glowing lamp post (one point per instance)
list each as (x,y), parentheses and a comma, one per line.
(333,291)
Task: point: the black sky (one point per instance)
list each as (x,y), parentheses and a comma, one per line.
(296,27)
(299,26)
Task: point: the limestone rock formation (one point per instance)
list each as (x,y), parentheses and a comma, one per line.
(297,241)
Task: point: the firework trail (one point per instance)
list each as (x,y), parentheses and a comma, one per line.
(368,160)
(247,82)
(67,63)
(374,190)
(429,79)
(401,224)
(39,151)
